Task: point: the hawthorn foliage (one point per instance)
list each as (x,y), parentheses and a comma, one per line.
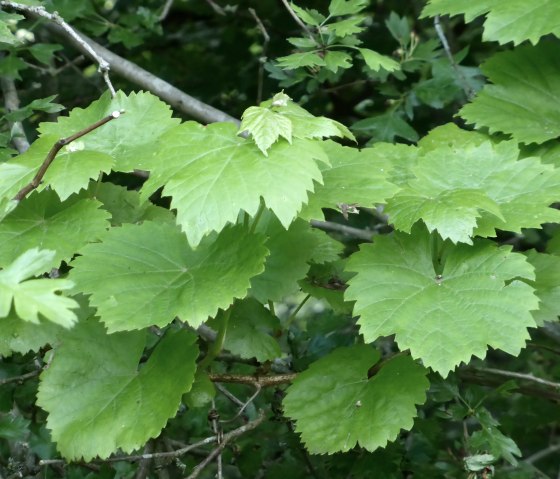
(369,275)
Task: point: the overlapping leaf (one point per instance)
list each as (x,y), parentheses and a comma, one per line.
(142,275)
(376,61)
(547,285)
(336,405)
(286,263)
(211,174)
(43,221)
(506,20)
(131,140)
(354,177)
(34,297)
(250,331)
(469,186)
(522,99)
(99,400)
(443,317)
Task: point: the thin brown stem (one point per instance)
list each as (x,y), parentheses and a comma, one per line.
(36,181)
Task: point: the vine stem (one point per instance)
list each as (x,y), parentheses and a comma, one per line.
(292,316)
(298,20)
(51,155)
(218,344)
(103,65)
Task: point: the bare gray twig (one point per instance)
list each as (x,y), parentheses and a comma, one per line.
(11,102)
(343,229)
(263,57)
(263,381)
(103,65)
(165,10)
(302,25)
(461,77)
(21,378)
(219,10)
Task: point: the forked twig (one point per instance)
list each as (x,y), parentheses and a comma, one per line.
(104,66)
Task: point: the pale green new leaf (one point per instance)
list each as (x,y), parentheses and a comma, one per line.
(444,317)
(250,331)
(299,60)
(43,221)
(34,297)
(346,7)
(522,99)
(336,406)
(265,126)
(376,61)
(143,275)
(506,20)
(287,263)
(309,16)
(547,285)
(355,177)
(212,174)
(100,400)
(131,140)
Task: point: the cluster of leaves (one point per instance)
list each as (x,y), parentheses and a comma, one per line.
(110,285)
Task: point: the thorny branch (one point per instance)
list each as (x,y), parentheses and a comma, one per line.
(103,64)
(36,181)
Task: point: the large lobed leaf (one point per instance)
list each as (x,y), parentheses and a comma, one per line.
(465,185)
(143,275)
(443,316)
(523,95)
(547,285)
(506,20)
(336,405)
(99,399)
(34,297)
(212,174)
(43,221)
(131,140)
(354,176)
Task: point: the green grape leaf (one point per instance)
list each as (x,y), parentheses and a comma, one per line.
(547,285)
(346,27)
(326,247)
(125,205)
(344,181)
(19,336)
(6,36)
(265,126)
(250,329)
(375,61)
(202,391)
(143,275)
(13,177)
(506,20)
(328,282)
(474,302)
(338,8)
(287,263)
(211,174)
(99,400)
(335,60)
(336,404)
(461,203)
(522,99)
(32,297)
(43,221)
(143,113)
(300,60)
